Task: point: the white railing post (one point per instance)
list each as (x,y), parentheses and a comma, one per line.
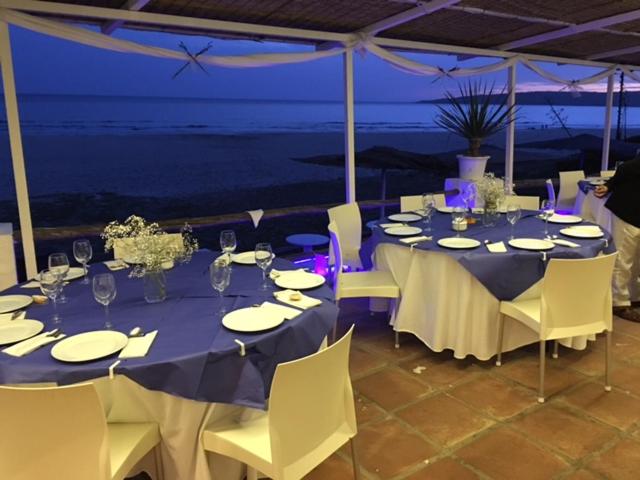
(511,130)
(606,136)
(349,128)
(17,154)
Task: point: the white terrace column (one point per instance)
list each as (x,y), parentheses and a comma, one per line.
(511,130)
(606,136)
(17,154)
(349,128)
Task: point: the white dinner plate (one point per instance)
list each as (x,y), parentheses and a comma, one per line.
(10,303)
(17,330)
(531,244)
(89,346)
(444,209)
(253,319)
(298,280)
(458,242)
(404,217)
(556,218)
(244,258)
(596,182)
(72,274)
(402,231)
(584,231)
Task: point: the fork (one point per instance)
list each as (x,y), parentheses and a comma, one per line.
(16,314)
(55,333)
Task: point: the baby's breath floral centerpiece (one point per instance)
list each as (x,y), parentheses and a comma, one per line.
(491,190)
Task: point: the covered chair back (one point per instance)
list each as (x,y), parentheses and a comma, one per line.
(607,173)
(349,221)
(568,189)
(412,203)
(526,202)
(551,193)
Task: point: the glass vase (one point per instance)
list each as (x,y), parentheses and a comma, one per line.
(490,215)
(155,286)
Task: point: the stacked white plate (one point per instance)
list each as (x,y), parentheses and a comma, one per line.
(583,231)
(402,231)
(597,181)
(89,346)
(404,217)
(458,243)
(11,303)
(535,244)
(299,280)
(253,319)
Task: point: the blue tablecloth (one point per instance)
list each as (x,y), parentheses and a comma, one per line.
(505,275)
(193,355)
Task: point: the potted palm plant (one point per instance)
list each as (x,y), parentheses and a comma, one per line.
(474,115)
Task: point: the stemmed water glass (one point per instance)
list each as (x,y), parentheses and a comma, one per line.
(547,208)
(264,257)
(458,215)
(104,292)
(228,243)
(83,252)
(59,265)
(513,215)
(428,205)
(220,278)
(51,286)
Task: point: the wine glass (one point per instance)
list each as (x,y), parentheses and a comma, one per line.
(51,286)
(220,277)
(547,208)
(513,215)
(104,292)
(264,257)
(83,252)
(59,265)
(428,205)
(458,215)
(228,242)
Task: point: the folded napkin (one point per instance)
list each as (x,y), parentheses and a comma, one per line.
(7,317)
(421,238)
(497,247)
(31,344)
(256,216)
(138,346)
(115,265)
(304,302)
(391,225)
(565,243)
(31,284)
(287,312)
(273,274)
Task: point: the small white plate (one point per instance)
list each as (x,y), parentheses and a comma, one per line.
(444,209)
(458,243)
(18,330)
(402,231)
(535,244)
(253,319)
(89,346)
(297,280)
(10,303)
(556,218)
(244,258)
(599,181)
(404,217)
(584,231)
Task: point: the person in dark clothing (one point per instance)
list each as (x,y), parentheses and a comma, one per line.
(624,203)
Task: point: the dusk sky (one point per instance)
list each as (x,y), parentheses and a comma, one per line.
(49,65)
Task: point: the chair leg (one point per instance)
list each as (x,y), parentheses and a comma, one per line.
(252,473)
(607,361)
(542,360)
(354,459)
(555,349)
(500,336)
(397,344)
(157,457)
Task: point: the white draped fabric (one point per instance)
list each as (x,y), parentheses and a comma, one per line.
(592,209)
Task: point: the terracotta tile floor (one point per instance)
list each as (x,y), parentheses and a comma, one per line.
(466,419)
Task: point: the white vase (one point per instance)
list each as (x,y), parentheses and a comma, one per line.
(471,168)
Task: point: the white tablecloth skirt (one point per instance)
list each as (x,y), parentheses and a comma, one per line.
(592,209)
(448,308)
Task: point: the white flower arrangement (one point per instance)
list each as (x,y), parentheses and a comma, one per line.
(491,189)
(147,244)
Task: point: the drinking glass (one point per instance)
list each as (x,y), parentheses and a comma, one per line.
(228,242)
(264,257)
(59,265)
(220,278)
(428,206)
(513,215)
(104,292)
(458,215)
(547,208)
(83,252)
(51,286)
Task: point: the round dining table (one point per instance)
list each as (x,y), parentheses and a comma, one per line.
(450,298)
(196,373)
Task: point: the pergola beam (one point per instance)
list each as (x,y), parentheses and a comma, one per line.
(421,9)
(134,5)
(615,53)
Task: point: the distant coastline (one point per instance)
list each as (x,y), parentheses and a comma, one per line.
(577,99)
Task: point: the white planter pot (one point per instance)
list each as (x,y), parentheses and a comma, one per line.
(471,168)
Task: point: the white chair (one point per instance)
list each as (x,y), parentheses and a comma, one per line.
(311,415)
(61,432)
(607,173)
(122,246)
(8,272)
(551,193)
(575,301)
(359,284)
(348,218)
(526,202)
(412,203)
(568,190)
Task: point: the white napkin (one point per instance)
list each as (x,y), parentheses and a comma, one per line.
(391,225)
(287,312)
(115,265)
(31,344)
(498,247)
(565,243)
(256,216)
(138,346)
(304,302)
(31,284)
(273,274)
(6,317)
(421,238)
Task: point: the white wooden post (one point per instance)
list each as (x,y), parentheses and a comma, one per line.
(511,131)
(17,154)
(349,128)
(606,136)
